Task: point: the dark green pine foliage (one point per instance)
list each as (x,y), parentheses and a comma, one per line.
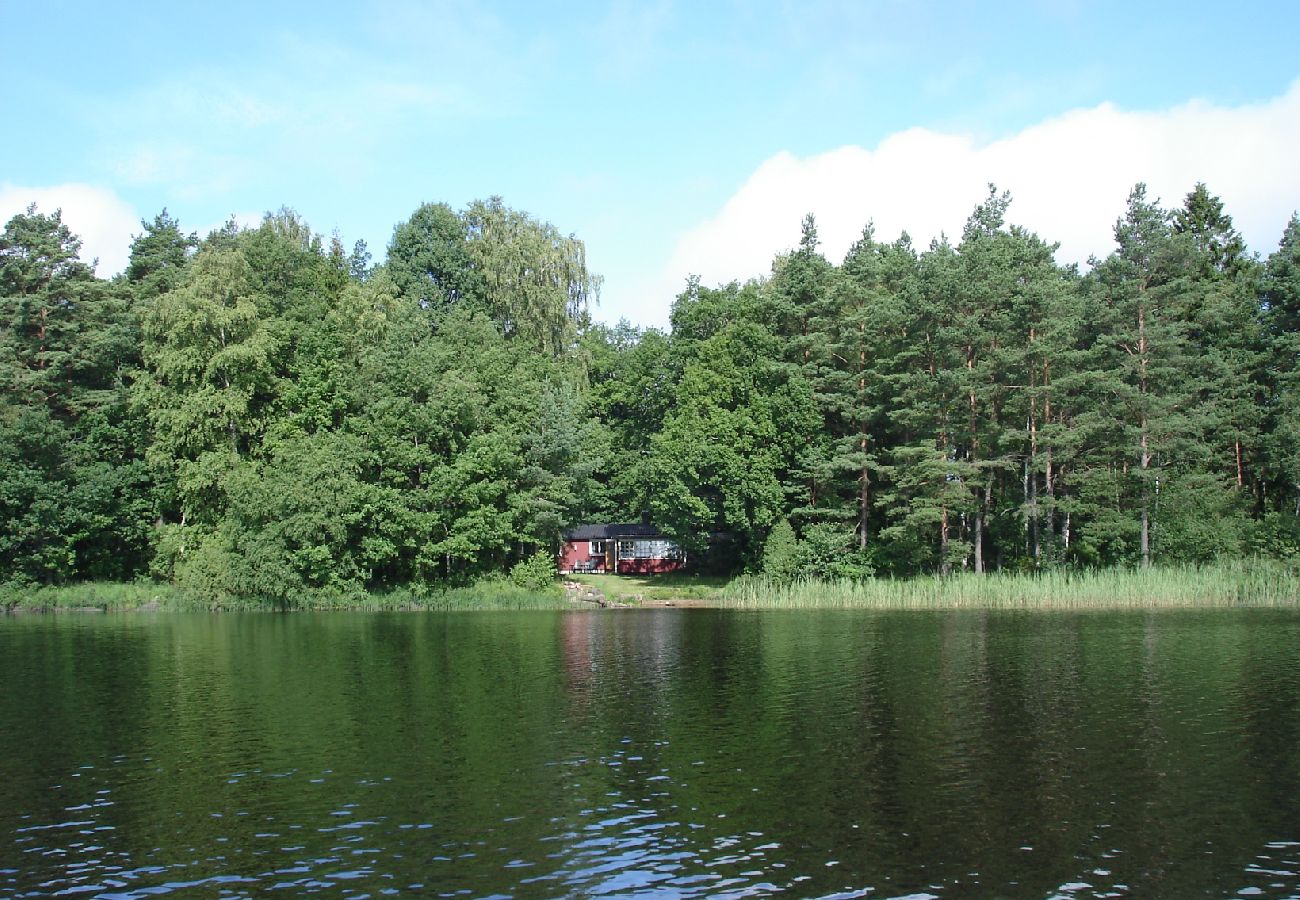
(1027,332)
(865,340)
(982,331)
(159,256)
(74,495)
(1280,482)
(799,307)
(46,291)
(1225,322)
(1046,359)
(1149,377)
(925,498)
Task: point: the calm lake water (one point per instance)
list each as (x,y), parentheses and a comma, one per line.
(663,752)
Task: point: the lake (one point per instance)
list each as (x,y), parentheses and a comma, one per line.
(664,752)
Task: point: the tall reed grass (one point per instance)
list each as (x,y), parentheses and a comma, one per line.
(97,596)
(1242,583)
(149,596)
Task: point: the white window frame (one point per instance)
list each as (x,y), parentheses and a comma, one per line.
(647,548)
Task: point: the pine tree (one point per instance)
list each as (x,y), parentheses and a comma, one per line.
(159,256)
(1146,363)
(800,308)
(864,343)
(1281,406)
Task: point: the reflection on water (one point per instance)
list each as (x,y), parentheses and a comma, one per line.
(665,752)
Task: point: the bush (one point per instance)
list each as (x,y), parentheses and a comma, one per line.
(536,573)
(781,552)
(830,551)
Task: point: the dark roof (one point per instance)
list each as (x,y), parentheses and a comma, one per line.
(603,532)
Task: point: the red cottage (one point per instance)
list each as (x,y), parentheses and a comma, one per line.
(619,549)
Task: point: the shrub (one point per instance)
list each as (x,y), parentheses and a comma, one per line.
(781,552)
(536,573)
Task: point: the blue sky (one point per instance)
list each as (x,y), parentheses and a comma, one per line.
(672,137)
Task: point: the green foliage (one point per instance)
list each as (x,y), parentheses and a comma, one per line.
(535,280)
(160,256)
(536,573)
(46,293)
(266,420)
(724,458)
(781,552)
(75,496)
(830,551)
(428,258)
(522,273)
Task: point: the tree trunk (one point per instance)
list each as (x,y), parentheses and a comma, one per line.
(1047,453)
(1026,510)
(1144,459)
(944,568)
(864,497)
(986,503)
(1035,543)
(864,507)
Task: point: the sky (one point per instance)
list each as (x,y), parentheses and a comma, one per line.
(674,138)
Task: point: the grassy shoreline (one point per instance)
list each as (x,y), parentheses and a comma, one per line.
(143,596)
(1245,583)
(1237,584)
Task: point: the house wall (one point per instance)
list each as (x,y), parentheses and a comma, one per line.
(577,552)
(649,566)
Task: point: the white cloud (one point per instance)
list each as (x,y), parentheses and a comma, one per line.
(103,221)
(1069,178)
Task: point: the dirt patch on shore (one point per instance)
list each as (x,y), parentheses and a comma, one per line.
(681,602)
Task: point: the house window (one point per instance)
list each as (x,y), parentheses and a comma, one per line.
(597,548)
(658,549)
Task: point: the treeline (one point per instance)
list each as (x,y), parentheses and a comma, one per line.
(263,413)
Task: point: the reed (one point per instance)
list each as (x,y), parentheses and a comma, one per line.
(149,596)
(97,596)
(1256,582)
(1241,583)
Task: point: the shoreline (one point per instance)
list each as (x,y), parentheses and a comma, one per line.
(1238,584)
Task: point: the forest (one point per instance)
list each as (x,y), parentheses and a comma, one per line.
(264,413)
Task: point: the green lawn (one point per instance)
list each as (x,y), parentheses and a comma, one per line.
(639,589)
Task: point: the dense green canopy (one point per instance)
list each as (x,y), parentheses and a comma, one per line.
(259,413)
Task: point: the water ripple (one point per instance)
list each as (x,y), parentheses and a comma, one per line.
(661,753)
